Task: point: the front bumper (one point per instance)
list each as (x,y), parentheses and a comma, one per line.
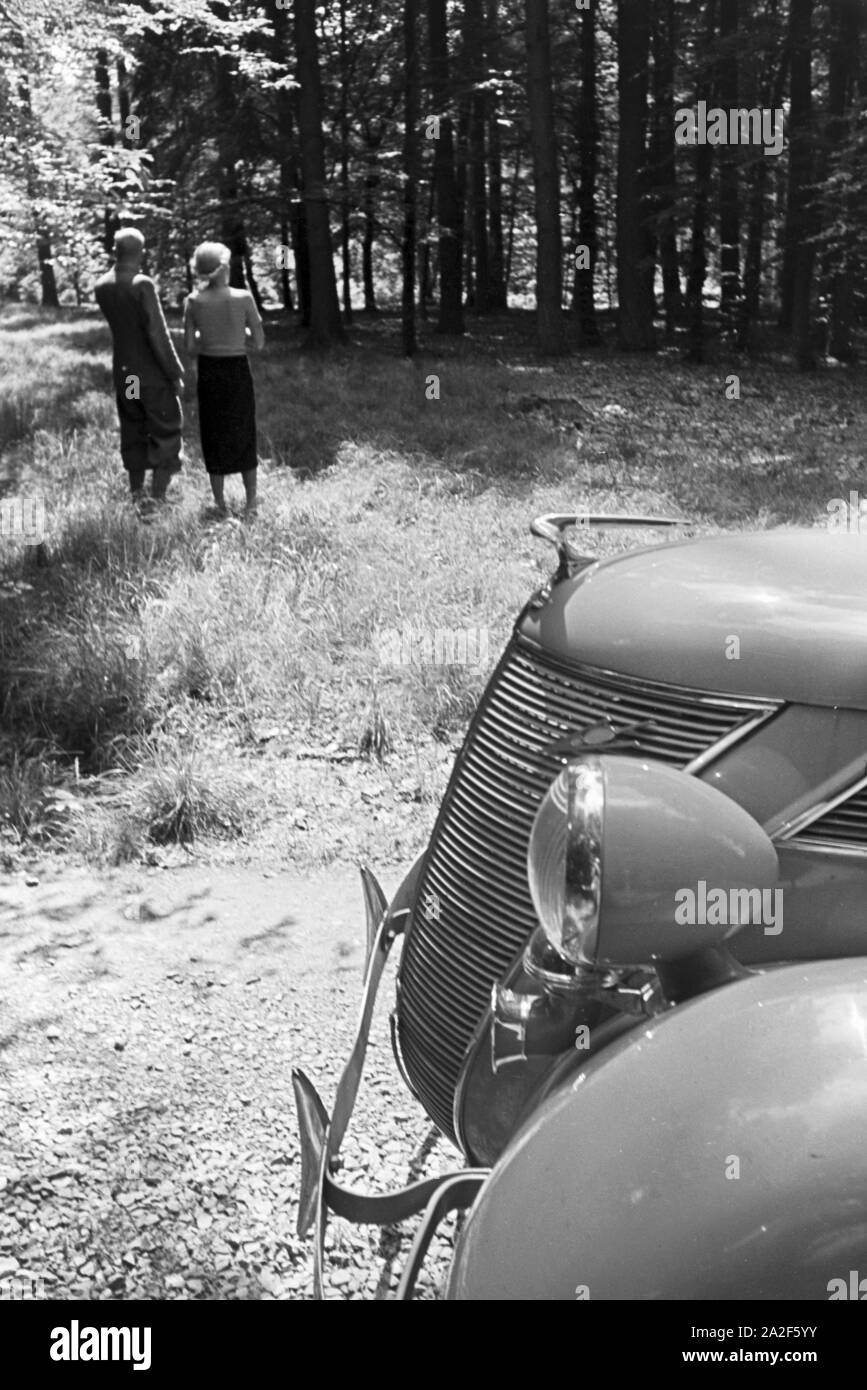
(322,1134)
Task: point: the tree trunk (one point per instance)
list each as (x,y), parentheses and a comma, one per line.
(749,311)
(729,204)
(449,212)
(285,283)
(251,279)
(588,156)
(110,220)
(755,92)
(474,41)
(635,313)
(469,268)
(103,98)
(801,220)
(231,221)
(546,180)
(797,258)
(410,173)
(346,260)
(766,92)
(698,252)
(496,281)
(47,278)
(123,104)
(513,208)
(846,20)
(371,183)
(289,203)
(465,200)
(325,325)
(187,251)
(663,163)
(425,286)
(698,240)
(44,257)
(301,250)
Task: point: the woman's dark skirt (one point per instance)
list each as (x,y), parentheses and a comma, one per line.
(227,414)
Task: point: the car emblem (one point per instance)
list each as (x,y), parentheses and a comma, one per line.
(432,907)
(604,737)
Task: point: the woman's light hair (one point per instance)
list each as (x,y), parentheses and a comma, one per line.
(210,257)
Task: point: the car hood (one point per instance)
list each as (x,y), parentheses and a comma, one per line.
(778,614)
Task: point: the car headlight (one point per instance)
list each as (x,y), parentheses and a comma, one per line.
(620,844)
(564,864)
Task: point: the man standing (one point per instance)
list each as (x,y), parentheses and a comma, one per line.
(148,376)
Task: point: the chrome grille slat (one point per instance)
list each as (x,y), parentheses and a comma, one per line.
(464,820)
(845,824)
(511,902)
(494,786)
(458,992)
(488,926)
(672,724)
(476,861)
(492,782)
(668,734)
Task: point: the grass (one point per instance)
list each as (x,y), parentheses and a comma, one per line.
(178,799)
(198,683)
(32,805)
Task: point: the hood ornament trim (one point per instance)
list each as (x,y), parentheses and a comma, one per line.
(552,527)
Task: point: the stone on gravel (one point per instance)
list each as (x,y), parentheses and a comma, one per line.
(148,912)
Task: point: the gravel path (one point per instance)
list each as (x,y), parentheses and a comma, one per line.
(149,1021)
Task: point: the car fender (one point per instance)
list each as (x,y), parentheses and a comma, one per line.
(717,1153)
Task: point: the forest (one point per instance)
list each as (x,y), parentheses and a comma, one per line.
(650,172)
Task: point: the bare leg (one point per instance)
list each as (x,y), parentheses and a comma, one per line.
(249,481)
(217,486)
(159,483)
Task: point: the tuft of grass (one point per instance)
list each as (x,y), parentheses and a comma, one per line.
(18,413)
(375,740)
(178,799)
(33,805)
(445,697)
(86,686)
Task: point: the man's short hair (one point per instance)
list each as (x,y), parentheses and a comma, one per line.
(128,241)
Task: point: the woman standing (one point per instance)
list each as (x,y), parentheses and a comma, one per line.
(220,326)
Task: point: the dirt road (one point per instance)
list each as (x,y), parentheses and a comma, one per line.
(149,1021)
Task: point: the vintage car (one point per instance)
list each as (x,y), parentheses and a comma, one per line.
(633,984)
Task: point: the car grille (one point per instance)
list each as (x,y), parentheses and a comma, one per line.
(473,911)
(845,825)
